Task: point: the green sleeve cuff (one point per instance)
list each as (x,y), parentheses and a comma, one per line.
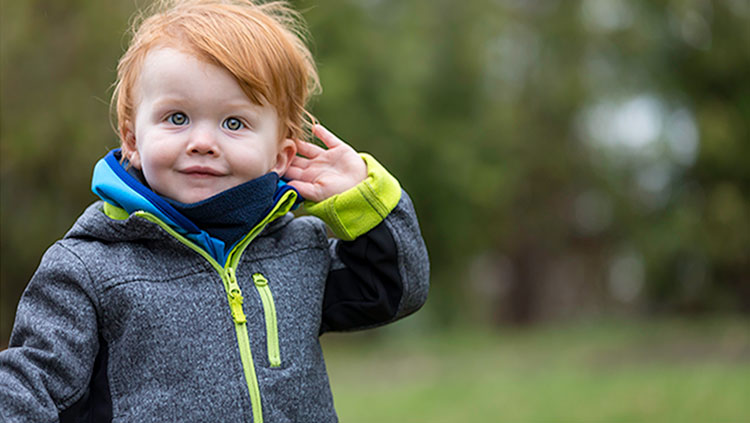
(357,210)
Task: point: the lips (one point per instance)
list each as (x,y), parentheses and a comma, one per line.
(201,171)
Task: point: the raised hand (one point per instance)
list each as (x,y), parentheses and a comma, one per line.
(322,173)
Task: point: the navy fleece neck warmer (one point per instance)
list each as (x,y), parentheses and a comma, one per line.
(231,214)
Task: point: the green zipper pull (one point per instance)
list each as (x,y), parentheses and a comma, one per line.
(259,279)
(235,298)
(269,310)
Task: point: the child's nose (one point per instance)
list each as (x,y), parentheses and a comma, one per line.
(202,141)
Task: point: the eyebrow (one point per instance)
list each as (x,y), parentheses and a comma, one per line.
(246,102)
(243,107)
(235,103)
(168,100)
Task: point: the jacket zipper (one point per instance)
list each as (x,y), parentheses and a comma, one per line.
(246,354)
(269,310)
(234,294)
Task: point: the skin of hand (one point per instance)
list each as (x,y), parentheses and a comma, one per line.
(318,173)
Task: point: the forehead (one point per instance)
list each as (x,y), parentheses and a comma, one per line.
(169,70)
(181,68)
(169,75)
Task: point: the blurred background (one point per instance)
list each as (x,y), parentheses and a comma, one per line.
(580,171)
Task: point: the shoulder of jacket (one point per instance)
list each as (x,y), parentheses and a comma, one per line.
(293,233)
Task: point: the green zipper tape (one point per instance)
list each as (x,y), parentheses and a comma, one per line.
(269,310)
(234,294)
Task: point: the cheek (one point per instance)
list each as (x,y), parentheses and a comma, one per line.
(250,163)
(154,158)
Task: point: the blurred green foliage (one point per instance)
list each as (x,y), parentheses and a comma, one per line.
(565,157)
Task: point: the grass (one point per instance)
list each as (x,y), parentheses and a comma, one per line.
(663,371)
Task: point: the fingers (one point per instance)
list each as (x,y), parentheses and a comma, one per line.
(301,187)
(302,169)
(326,136)
(295,173)
(307,190)
(308,150)
(300,162)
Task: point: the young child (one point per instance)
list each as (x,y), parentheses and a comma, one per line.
(190,293)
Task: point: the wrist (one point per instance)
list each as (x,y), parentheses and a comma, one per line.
(362,207)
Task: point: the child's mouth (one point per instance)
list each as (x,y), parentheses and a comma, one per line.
(201,171)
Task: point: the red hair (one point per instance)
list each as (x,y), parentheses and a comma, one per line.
(261,45)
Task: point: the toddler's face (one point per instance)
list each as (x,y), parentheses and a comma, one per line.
(196,133)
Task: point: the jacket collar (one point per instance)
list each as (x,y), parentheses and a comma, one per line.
(116,186)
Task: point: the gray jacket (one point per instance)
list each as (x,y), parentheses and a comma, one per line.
(121,317)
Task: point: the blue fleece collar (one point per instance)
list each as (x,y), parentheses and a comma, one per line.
(113,184)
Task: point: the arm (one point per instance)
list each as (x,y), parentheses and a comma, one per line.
(380,268)
(380,276)
(48,363)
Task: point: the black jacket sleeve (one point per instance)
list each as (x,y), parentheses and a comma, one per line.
(378,277)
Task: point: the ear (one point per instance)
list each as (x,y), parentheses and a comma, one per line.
(129,147)
(287,151)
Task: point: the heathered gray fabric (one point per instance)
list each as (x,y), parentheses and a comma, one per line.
(162,310)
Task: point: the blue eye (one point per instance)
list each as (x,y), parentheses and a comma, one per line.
(178,119)
(233,124)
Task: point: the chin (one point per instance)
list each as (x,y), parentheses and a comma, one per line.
(190,199)
(195,199)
